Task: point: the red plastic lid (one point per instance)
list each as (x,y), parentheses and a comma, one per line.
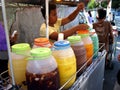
(41,41)
(83,32)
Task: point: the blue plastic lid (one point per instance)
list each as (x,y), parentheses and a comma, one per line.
(62,43)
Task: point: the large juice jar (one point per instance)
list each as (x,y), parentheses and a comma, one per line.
(41,42)
(42,71)
(19,54)
(66,61)
(88,44)
(95,40)
(80,52)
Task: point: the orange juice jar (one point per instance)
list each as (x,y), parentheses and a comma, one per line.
(66,61)
(88,44)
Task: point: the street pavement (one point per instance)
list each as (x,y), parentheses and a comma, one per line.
(110,74)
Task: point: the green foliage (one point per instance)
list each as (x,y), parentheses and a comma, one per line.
(115,4)
(104,4)
(92,4)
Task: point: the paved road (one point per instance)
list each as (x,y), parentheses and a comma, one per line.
(110,75)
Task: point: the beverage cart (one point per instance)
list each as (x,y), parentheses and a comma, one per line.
(91,79)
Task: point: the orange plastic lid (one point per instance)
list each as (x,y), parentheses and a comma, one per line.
(83,32)
(41,41)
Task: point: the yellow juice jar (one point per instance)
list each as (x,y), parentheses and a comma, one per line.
(19,54)
(66,61)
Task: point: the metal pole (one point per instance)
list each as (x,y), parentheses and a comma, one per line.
(109,9)
(7,38)
(47,19)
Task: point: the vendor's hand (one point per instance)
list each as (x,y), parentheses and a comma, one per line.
(80,6)
(13,39)
(82,27)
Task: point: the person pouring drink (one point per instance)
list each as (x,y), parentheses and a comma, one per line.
(55,22)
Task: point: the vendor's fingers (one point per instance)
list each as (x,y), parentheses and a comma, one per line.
(83,26)
(81,6)
(14,39)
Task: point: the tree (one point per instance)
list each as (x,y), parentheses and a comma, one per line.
(115,4)
(93,4)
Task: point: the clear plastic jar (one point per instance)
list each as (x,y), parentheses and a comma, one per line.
(88,44)
(95,41)
(42,71)
(79,50)
(20,53)
(66,61)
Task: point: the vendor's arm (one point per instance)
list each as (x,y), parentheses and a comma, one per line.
(73,15)
(69,32)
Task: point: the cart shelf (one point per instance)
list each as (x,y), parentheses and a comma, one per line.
(91,79)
